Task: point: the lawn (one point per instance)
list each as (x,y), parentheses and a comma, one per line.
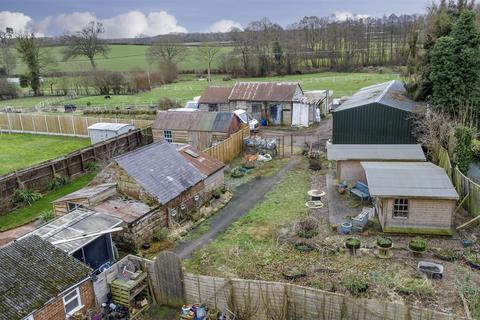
(28,214)
(19,151)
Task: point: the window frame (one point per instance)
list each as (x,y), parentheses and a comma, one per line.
(401,208)
(256,105)
(76,297)
(72,206)
(168,136)
(213,107)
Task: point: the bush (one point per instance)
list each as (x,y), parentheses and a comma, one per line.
(307,228)
(355,284)
(476,148)
(446,254)
(166,103)
(237,173)
(415,286)
(418,244)
(160,235)
(26,196)
(216,194)
(463,150)
(92,166)
(57,181)
(46,216)
(7,90)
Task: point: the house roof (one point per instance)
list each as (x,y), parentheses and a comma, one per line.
(263,91)
(390,94)
(206,164)
(87,192)
(33,272)
(214,94)
(409,152)
(160,170)
(128,210)
(194,121)
(408,179)
(109,126)
(75,224)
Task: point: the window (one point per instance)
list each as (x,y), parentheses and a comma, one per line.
(213,107)
(400,208)
(167,134)
(71,302)
(72,206)
(256,108)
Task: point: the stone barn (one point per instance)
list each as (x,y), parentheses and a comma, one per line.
(215,98)
(412,197)
(348,157)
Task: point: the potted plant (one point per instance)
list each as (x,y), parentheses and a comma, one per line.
(352,244)
(384,242)
(473,259)
(418,245)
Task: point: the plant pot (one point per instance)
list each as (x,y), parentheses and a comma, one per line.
(384,243)
(352,243)
(417,245)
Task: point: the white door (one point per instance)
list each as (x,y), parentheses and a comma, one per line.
(296,114)
(304,115)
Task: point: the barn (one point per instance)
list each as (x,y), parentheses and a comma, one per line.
(197,128)
(379,114)
(412,197)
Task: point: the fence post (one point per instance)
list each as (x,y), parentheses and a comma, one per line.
(291,145)
(9,124)
(21,121)
(46,124)
(73,126)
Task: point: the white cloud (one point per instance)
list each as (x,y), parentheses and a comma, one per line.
(70,22)
(347,15)
(16,20)
(224,26)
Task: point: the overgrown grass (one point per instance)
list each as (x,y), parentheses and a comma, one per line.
(28,214)
(22,150)
(262,169)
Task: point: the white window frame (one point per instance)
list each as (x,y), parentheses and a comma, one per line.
(75,297)
(401,208)
(30,317)
(168,136)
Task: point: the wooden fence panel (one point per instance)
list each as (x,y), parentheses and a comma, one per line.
(230,148)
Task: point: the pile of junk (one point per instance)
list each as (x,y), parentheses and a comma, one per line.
(200,312)
(258,145)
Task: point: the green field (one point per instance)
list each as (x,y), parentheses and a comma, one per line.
(189,86)
(19,151)
(121,58)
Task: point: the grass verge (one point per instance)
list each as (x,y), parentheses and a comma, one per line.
(28,214)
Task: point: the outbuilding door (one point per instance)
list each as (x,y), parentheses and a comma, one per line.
(300,115)
(276,114)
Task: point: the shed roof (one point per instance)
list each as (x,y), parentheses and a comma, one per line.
(214,94)
(263,91)
(75,224)
(128,210)
(408,179)
(390,94)
(206,164)
(33,272)
(87,192)
(109,126)
(194,121)
(160,170)
(409,152)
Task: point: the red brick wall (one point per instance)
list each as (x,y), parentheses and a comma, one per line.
(55,311)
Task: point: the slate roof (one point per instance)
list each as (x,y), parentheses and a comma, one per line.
(194,121)
(74,224)
(215,94)
(407,152)
(408,179)
(33,271)
(263,91)
(206,164)
(390,94)
(160,170)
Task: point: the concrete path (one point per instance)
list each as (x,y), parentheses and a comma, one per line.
(245,198)
(10,235)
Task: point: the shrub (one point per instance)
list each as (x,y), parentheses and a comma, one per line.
(418,244)
(476,148)
(384,242)
(7,90)
(415,286)
(26,196)
(463,150)
(46,216)
(355,284)
(307,228)
(216,194)
(160,235)
(446,254)
(166,103)
(57,181)
(237,173)
(92,166)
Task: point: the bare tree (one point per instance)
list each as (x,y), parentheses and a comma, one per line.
(8,59)
(86,42)
(167,48)
(209,53)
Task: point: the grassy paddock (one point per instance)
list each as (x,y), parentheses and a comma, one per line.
(28,214)
(19,151)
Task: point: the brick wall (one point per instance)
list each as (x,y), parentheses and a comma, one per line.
(55,309)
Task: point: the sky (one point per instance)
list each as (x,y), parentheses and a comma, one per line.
(132,18)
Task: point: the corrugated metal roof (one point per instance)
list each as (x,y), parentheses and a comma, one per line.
(109,126)
(128,210)
(391,94)
(87,192)
(263,91)
(375,152)
(160,170)
(74,224)
(33,271)
(203,162)
(215,95)
(408,179)
(194,121)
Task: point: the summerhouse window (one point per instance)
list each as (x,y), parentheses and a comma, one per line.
(167,134)
(400,208)
(72,206)
(213,107)
(72,302)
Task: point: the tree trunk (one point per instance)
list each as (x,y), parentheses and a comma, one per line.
(92,62)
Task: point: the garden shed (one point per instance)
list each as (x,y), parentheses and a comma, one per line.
(379,114)
(215,98)
(412,197)
(199,129)
(102,131)
(348,157)
(83,234)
